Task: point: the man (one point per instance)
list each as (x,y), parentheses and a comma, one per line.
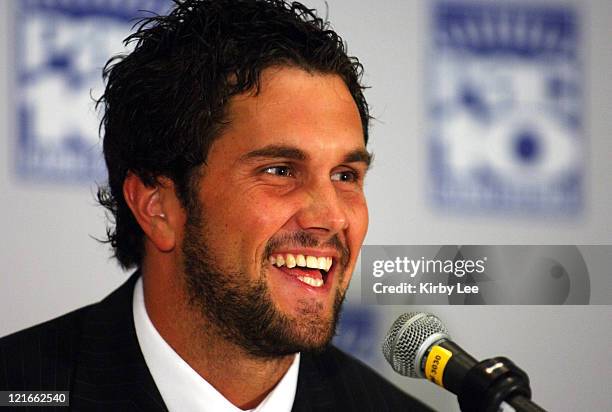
(234,136)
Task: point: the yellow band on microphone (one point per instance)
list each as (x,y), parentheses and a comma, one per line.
(436,362)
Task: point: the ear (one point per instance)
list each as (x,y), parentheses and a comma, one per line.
(156,209)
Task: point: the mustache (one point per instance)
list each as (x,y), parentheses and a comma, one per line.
(305,239)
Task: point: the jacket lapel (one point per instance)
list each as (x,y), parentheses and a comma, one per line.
(313,392)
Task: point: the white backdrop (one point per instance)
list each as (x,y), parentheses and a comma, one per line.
(50,264)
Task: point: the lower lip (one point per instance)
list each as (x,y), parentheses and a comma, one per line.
(323,289)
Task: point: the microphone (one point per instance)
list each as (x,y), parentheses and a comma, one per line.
(418,345)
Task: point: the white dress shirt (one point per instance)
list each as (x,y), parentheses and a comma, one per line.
(182,388)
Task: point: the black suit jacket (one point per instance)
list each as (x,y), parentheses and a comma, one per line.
(93,352)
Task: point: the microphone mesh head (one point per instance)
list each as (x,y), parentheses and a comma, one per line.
(405,339)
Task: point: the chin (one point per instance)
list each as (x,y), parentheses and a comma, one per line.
(313,326)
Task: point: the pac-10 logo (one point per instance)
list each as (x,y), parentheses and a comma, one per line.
(504,108)
(60,49)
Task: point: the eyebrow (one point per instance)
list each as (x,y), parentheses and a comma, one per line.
(289,152)
(359,155)
(273,151)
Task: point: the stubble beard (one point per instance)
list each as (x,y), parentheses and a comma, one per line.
(242,311)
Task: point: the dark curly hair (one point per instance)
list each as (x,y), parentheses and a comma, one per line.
(166,101)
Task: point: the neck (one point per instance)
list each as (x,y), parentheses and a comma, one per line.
(243,379)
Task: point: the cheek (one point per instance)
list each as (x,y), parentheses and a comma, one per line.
(356,234)
(259,219)
(267,212)
(359,219)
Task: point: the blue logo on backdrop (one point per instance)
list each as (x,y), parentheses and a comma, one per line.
(504,107)
(61,47)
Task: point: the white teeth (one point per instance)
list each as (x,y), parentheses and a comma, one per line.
(312,262)
(300,260)
(280,260)
(290,261)
(317,283)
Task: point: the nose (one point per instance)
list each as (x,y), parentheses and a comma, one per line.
(323,211)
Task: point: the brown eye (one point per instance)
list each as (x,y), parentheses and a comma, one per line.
(345,176)
(283,171)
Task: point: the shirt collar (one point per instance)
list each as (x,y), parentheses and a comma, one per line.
(181,387)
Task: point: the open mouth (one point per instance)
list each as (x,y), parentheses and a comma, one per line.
(311,270)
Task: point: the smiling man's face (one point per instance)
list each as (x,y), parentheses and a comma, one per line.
(281,215)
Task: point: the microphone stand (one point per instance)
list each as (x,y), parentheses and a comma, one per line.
(496,385)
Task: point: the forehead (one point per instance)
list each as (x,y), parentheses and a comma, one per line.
(311,111)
